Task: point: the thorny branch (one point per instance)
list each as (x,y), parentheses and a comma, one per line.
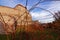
(15,25)
(46,11)
(26,3)
(35,5)
(4,26)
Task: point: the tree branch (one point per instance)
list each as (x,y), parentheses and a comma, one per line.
(35,5)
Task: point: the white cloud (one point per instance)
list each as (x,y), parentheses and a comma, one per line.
(47,20)
(40,14)
(54,6)
(43,17)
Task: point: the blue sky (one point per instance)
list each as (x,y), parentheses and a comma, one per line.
(37,14)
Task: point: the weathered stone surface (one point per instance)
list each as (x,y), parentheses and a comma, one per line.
(9,15)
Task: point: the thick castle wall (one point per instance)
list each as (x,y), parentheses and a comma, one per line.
(11,14)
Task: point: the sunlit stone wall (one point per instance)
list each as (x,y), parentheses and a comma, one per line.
(18,13)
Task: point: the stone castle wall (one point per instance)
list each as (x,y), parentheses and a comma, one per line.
(18,13)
